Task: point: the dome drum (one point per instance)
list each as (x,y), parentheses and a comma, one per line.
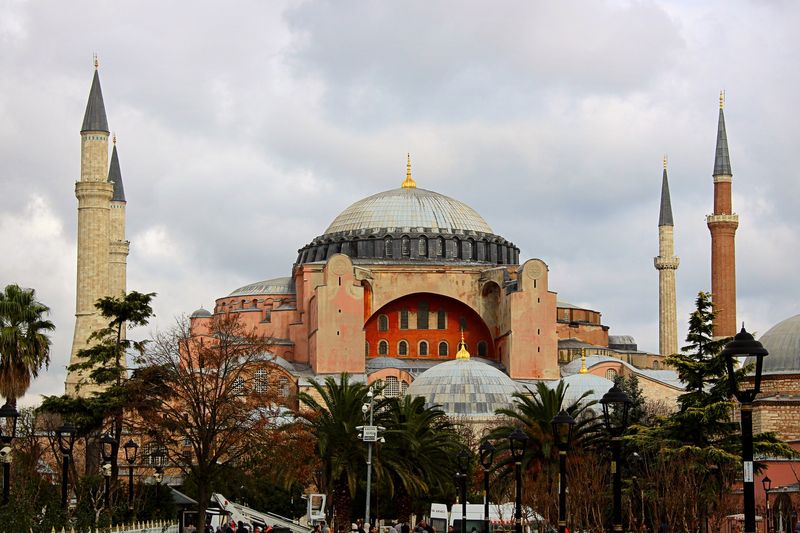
(402,247)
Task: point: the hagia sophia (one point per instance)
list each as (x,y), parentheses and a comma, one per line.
(414,289)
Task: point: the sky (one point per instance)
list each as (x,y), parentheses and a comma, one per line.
(244,129)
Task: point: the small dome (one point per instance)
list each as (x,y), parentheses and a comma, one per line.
(465,387)
(782,341)
(201,313)
(379,363)
(577,384)
(409,208)
(268,286)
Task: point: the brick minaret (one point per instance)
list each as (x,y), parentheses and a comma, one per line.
(666,263)
(98,243)
(723,223)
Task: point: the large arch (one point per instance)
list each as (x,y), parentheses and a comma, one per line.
(407,322)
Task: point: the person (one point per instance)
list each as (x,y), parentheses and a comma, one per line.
(353,527)
(241,528)
(451,529)
(404,528)
(229,528)
(360,523)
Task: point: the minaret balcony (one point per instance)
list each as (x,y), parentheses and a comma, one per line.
(722,219)
(666,263)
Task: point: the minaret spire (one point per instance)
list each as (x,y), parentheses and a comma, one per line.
(666,263)
(409,183)
(722,224)
(94,119)
(115,175)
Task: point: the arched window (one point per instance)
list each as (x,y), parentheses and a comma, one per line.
(392,387)
(423,347)
(466,249)
(405,246)
(366,349)
(443,349)
(387,247)
(237,387)
(283,386)
(402,348)
(404,318)
(154,455)
(260,381)
(441,319)
(383,323)
(462,323)
(383,348)
(611,374)
(440,247)
(655,365)
(422,247)
(483,349)
(403,388)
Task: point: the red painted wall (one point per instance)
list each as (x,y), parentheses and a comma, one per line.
(475,332)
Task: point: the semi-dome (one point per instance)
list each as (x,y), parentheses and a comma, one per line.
(268,286)
(465,387)
(201,313)
(578,384)
(409,208)
(782,341)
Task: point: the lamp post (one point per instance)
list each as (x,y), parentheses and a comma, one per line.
(108,450)
(743,344)
(518,441)
(616,404)
(369,434)
(766,482)
(462,461)
(8,430)
(131,448)
(65,435)
(562,435)
(486,454)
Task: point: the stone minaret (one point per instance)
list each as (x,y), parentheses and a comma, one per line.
(119,246)
(723,223)
(95,235)
(666,263)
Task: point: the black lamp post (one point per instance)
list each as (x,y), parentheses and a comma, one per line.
(766,482)
(8,430)
(562,435)
(462,460)
(742,345)
(108,450)
(486,453)
(131,448)
(518,441)
(65,435)
(616,405)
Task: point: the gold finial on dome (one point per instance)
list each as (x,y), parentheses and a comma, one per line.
(95,61)
(584,370)
(462,348)
(409,183)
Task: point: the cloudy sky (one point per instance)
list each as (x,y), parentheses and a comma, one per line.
(244,128)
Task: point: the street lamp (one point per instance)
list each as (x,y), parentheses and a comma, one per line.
(369,434)
(616,405)
(562,435)
(131,448)
(766,482)
(742,345)
(462,461)
(518,441)
(108,450)
(8,430)
(486,454)
(65,435)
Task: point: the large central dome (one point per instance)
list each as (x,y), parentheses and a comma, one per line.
(410,209)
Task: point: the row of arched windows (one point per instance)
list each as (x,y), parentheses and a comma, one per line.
(423,349)
(422,319)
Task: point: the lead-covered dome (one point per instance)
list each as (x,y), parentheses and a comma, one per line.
(409,209)
(782,341)
(465,387)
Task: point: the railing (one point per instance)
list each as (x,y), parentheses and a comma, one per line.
(152,526)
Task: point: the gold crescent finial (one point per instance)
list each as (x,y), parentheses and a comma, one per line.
(584,370)
(721,99)
(95,61)
(462,348)
(409,183)
(114,139)
(665,161)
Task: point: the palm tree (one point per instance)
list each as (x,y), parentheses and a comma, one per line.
(24,344)
(333,412)
(417,458)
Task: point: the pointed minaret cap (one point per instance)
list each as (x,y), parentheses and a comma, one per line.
(95,117)
(409,183)
(115,176)
(722,160)
(462,348)
(665,215)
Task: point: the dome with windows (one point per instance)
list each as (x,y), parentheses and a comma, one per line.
(782,341)
(469,388)
(408,224)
